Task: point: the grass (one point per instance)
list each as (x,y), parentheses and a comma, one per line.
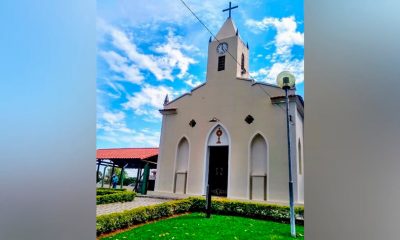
(196,226)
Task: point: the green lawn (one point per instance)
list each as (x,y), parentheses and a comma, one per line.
(196,226)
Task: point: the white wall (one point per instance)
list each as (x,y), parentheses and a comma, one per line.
(299,156)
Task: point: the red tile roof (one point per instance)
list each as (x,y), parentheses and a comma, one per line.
(126,153)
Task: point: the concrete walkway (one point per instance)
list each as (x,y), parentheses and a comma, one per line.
(151,198)
(120,207)
(161,195)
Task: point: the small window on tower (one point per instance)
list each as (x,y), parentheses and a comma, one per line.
(221,63)
(242,63)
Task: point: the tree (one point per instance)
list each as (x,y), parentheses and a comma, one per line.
(117,171)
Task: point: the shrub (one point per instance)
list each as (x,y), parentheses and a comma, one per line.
(128,180)
(246,209)
(115,221)
(111,189)
(121,196)
(111,222)
(104,191)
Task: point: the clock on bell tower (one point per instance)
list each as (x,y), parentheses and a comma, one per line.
(228,55)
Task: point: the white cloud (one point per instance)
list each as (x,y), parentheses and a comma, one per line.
(281,59)
(174,57)
(112,122)
(141,12)
(119,64)
(269,74)
(193,83)
(141,138)
(136,139)
(121,41)
(286,37)
(112,128)
(148,101)
(170,55)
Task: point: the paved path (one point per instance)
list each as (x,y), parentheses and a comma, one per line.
(119,207)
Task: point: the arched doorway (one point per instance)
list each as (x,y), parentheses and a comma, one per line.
(217,167)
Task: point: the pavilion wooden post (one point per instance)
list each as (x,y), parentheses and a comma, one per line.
(146,172)
(102,179)
(139,176)
(98,171)
(137,179)
(121,175)
(112,173)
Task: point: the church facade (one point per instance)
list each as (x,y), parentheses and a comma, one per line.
(230,132)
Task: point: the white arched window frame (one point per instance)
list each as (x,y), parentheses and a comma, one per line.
(182,162)
(258,163)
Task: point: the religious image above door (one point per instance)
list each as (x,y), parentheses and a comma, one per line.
(218,137)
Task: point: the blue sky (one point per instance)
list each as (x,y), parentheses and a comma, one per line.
(147,49)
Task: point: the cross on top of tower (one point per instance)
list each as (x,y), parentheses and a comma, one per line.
(230,9)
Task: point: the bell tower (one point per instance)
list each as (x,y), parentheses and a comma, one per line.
(228,55)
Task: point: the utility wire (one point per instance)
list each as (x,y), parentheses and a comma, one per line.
(279,105)
(204,25)
(183,2)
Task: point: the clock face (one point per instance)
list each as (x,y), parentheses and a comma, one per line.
(222,48)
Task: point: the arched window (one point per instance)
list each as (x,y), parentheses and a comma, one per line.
(182,156)
(258,156)
(300,158)
(221,63)
(258,168)
(182,160)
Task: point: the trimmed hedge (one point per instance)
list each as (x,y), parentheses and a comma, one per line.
(115,221)
(121,196)
(247,209)
(105,191)
(111,189)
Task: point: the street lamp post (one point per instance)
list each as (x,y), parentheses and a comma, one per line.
(287,81)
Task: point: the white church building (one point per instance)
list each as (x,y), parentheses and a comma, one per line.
(230,132)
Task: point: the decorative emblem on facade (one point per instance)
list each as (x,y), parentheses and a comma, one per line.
(249,119)
(219,134)
(192,123)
